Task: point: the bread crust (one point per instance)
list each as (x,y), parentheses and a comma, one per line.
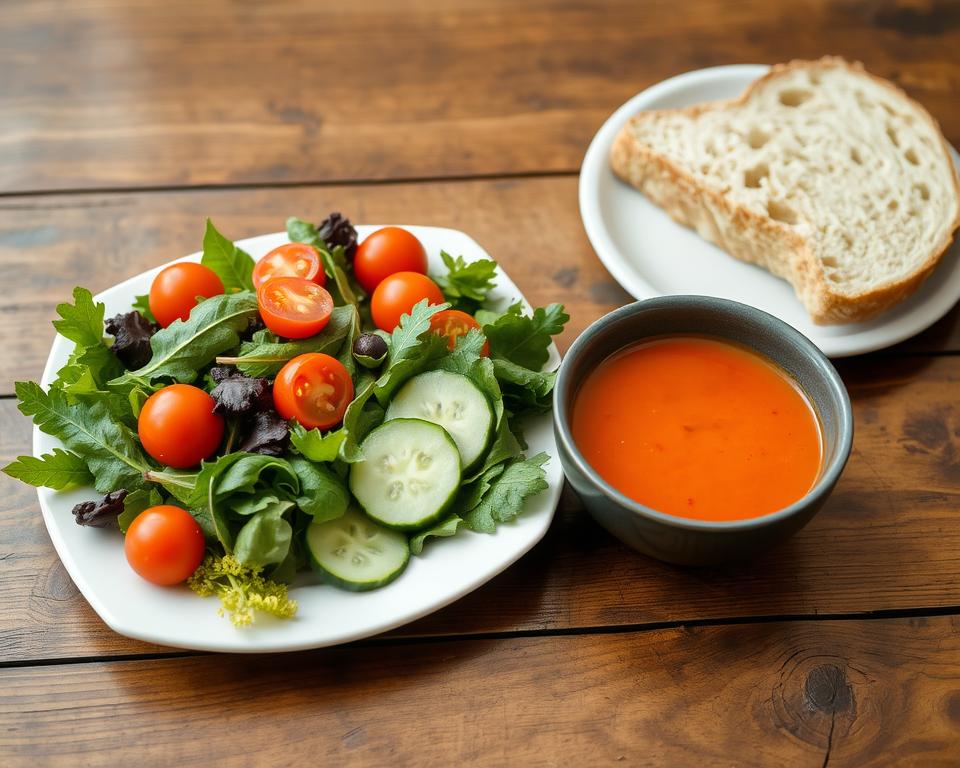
(761,240)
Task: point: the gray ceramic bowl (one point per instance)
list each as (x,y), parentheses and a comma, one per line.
(680,540)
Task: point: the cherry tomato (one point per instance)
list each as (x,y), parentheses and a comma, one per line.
(175,290)
(315,389)
(290,260)
(453,323)
(385,252)
(293,307)
(178,427)
(164,544)
(397,294)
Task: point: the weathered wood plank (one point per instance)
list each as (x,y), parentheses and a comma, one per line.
(49,245)
(531,226)
(107,94)
(887,539)
(793,694)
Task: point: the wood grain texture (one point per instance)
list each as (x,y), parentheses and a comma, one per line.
(107,94)
(49,245)
(531,226)
(852,693)
(886,540)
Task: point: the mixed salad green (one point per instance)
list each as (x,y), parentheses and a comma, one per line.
(374,412)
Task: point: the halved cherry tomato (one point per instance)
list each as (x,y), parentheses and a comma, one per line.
(397,294)
(315,389)
(290,260)
(164,544)
(385,252)
(453,323)
(175,290)
(178,427)
(293,307)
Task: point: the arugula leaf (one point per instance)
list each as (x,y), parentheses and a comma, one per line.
(92,363)
(58,470)
(82,321)
(472,492)
(182,348)
(323,495)
(413,348)
(264,539)
(471,280)
(314,445)
(505,446)
(446,527)
(361,416)
(525,391)
(88,370)
(135,503)
(233,266)
(141,304)
(265,354)
(408,334)
(109,448)
(505,498)
(524,339)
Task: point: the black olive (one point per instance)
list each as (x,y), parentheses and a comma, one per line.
(369,350)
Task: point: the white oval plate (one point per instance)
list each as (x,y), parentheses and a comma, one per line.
(447,570)
(651,255)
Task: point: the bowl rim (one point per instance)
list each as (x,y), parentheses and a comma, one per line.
(737,311)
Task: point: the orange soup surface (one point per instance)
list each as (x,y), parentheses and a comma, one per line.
(698,428)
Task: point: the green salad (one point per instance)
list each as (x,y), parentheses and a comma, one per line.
(329,407)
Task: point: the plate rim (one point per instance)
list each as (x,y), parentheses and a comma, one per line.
(886,334)
(116,623)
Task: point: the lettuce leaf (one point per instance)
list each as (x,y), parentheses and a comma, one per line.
(233,266)
(183,348)
(266,354)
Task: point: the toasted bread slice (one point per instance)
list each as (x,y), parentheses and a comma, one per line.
(821,173)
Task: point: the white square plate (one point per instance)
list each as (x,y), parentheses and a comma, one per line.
(174,616)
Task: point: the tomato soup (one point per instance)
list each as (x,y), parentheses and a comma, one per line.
(698,428)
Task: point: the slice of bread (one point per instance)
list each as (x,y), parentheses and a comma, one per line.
(821,173)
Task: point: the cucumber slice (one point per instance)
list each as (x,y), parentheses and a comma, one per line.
(452,401)
(409,474)
(355,553)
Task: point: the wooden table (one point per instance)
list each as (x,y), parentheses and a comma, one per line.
(123,124)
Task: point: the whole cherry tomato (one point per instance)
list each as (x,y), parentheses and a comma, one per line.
(164,544)
(175,290)
(385,252)
(397,294)
(178,427)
